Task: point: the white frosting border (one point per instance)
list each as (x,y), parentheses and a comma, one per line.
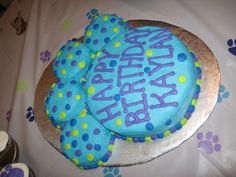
(3,140)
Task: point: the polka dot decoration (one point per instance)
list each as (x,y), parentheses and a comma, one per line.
(87,147)
(71,60)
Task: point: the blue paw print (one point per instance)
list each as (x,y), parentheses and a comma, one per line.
(223,94)
(111,172)
(92,14)
(232,46)
(30,114)
(12,172)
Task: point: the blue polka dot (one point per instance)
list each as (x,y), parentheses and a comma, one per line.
(117,97)
(161,135)
(74,143)
(67,107)
(113,20)
(85,137)
(97,147)
(181,57)
(168,122)
(88,41)
(147,70)
(63,62)
(67,133)
(198,70)
(95,26)
(61,85)
(78,52)
(178,126)
(198,89)
(141,139)
(191,108)
(73,122)
(149,126)
(73,82)
(63,47)
(89,146)
(62,138)
(107,39)
(70,48)
(113,63)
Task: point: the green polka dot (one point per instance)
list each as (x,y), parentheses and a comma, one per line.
(62,115)
(63,71)
(76,44)
(59,94)
(58,53)
(149,53)
(90,157)
(110,147)
(81,64)
(67,146)
(92,55)
(70,56)
(129,139)
(100,163)
(167,133)
(197,64)
(118,122)
(194,102)
(116,44)
(77,97)
(58,127)
(105,18)
(47,111)
(183,121)
(198,82)
(84,125)
(182,79)
(148,139)
(53,85)
(74,133)
(98,54)
(115,29)
(91,90)
(83,113)
(75,161)
(88,33)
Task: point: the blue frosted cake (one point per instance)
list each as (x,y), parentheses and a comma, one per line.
(137,84)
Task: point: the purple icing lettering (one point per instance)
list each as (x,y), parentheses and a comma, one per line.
(98,79)
(161,82)
(136,36)
(139,116)
(101,95)
(101,67)
(108,112)
(128,88)
(108,56)
(139,51)
(158,66)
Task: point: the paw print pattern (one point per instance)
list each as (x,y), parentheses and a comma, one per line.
(111,172)
(45,56)
(10,171)
(223,94)
(8,115)
(92,14)
(30,114)
(232,46)
(208,143)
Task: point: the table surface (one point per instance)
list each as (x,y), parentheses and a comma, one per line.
(211,151)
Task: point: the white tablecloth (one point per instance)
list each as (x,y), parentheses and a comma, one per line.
(51,23)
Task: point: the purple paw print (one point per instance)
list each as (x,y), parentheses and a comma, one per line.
(232,46)
(30,114)
(12,172)
(8,115)
(45,56)
(208,143)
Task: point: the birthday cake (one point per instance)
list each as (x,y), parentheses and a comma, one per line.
(137,84)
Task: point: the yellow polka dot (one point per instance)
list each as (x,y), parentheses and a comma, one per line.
(167,133)
(83,113)
(105,18)
(77,97)
(90,157)
(110,147)
(84,125)
(70,56)
(74,133)
(100,163)
(58,53)
(197,64)
(129,139)
(53,85)
(88,33)
(148,139)
(62,115)
(59,94)
(91,90)
(118,122)
(67,146)
(81,64)
(76,44)
(92,55)
(58,127)
(117,44)
(198,82)
(115,29)
(47,111)
(98,54)
(75,161)
(182,79)
(183,121)
(63,71)
(194,102)
(149,53)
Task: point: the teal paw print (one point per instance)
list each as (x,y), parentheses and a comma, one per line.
(223,94)
(111,172)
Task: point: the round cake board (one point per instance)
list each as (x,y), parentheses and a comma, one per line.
(129,153)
